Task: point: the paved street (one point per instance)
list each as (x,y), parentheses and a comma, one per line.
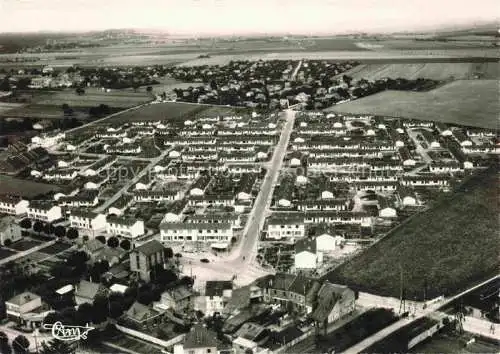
(367,342)
(248,246)
(482,327)
(241,261)
(296,71)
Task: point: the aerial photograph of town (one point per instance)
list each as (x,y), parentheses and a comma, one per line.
(249,177)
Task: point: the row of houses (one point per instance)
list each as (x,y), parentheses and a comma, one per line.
(92,223)
(292,225)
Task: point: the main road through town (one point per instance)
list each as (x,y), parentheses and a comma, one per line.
(241,261)
(428,311)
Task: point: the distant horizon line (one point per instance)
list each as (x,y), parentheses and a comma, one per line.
(423,30)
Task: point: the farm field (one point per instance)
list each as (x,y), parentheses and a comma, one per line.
(441,251)
(167,84)
(48,104)
(6,107)
(174,111)
(465,102)
(406,44)
(339,49)
(25,188)
(95,97)
(483,54)
(436,71)
(42,112)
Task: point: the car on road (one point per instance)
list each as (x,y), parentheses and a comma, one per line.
(204,260)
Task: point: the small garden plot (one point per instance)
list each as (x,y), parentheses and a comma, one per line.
(25,245)
(96,149)
(56,248)
(35,257)
(4,253)
(170,186)
(280,257)
(76,139)
(440,155)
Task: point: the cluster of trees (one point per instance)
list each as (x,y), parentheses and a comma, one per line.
(14,125)
(319,84)
(73,269)
(20,344)
(241,70)
(49,229)
(99,111)
(20,84)
(253,79)
(120,78)
(114,242)
(111,306)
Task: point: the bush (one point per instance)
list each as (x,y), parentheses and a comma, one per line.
(25,223)
(60,231)
(125,244)
(113,242)
(20,344)
(72,234)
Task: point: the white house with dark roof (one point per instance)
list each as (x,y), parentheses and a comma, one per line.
(333,303)
(13,206)
(438,167)
(243,168)
(124,227)
(306,254)
(44,211)
(425,181)
(127,149)
(47,140)
(337,217)
(217,295)
(214,218)
(328,243)
(60,174)
(111,134)
(87,221)
(217,233)
(322,204)
(156,196)
(214,200)
(85,199)
(22,304)
(279,227)
(145,257)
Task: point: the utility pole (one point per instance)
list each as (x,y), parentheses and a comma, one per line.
(35,334)
(401,289)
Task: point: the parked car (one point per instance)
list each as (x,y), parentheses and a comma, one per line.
(204,260)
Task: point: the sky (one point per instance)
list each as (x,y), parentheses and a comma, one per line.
(243,16)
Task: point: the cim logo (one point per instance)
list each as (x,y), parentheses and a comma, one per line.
(68,333)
